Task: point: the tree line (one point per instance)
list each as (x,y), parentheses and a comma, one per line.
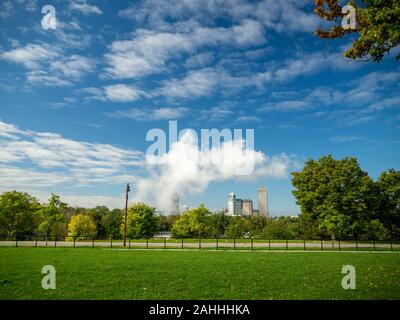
(336,197)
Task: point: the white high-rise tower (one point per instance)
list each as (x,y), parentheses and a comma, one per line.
(263,202)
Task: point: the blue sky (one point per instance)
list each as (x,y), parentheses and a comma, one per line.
(77,102)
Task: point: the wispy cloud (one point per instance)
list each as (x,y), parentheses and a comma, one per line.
(147,114)
(54,160)
(84,7)
(48,65)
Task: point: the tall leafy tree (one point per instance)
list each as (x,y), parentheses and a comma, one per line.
(18,213)
(97,214)
(194,223)
(377,26)
(81,227)
(337,194)
(52,216)
(141,221)
(388,184)
(112,223)
(238,228)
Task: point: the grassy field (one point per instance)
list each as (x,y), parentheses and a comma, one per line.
(84,273)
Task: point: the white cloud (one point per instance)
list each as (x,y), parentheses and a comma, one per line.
(32,55)
(83,7)
(47,159)
(147,114)
(150,51)
(44,78)
(122,93)
(280,16)
(196,83)
(48,65)
(74,66)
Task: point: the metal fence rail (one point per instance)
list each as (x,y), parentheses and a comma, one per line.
(202,243)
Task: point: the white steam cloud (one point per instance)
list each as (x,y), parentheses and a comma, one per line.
(187,169)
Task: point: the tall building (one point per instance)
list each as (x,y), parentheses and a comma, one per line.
(263,202)
(234,205)
(175,204)
(247,207)
(238,207)
(231,204)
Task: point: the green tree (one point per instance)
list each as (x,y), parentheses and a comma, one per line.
(81,227)
(111,222)
(238,227)
(337,194)
(165,223)
(308,227)
(52,216)
(97,214)
(141,221)
(388,184)
(194,223)
(217,224)
(18,213)
(281,228)
(377,26)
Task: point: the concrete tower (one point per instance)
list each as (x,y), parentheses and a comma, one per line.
(263,202)
(175,204)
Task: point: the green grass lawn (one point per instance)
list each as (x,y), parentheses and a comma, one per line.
(85,273)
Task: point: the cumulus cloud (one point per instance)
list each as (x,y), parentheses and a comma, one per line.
(188,169)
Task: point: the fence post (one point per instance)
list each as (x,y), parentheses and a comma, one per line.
(234,243)
(217,243)
(251,243)
(287,245)
(35,241)
(165,243)
(182,243)
(322,245)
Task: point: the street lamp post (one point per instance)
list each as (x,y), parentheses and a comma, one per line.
(127,190)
